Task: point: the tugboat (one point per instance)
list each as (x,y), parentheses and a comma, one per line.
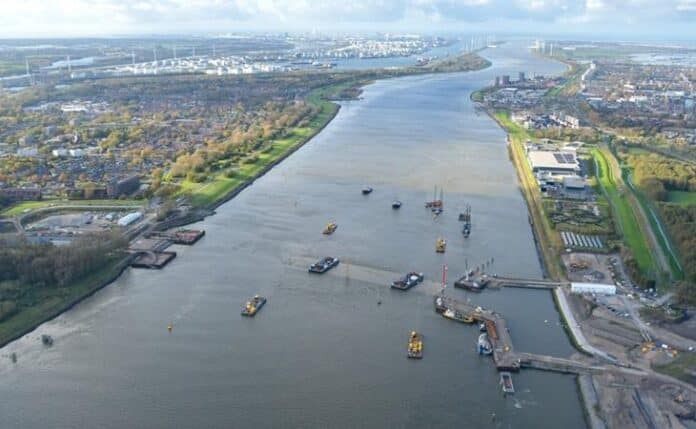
(408,281)
(253,306)
(484,345)
(396,205)
(506,382)
(366,190)
(47,340)
(457,316)
(323,265)
(329,228)
(440,245)
(415,345)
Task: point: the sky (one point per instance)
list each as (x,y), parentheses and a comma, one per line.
(675,19)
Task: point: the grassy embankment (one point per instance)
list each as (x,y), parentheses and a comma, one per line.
(50,302)
(549,239)
(623,213)
(208,193)
(667,246)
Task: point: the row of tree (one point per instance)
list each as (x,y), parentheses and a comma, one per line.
(681,222)
(45,265)
(657,174)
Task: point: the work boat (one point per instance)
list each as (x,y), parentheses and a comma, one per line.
(415,345)
(330,228)
(441,245)
(253,306)
(323,265)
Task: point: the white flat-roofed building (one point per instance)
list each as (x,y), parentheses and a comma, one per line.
(553,162)
(596,288)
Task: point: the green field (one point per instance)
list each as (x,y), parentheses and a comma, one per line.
(27,206)
(623,212)
(683,198)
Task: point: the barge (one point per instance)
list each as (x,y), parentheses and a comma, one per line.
(506,382)
(253,306)
(408,281)
(458,316)
(469,282)
(323,265)
(415,345)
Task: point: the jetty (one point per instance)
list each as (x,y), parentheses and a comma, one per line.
(504,355)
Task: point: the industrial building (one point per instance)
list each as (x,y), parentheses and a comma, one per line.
(560,163)
(596,288)
(21,194)
(116,188)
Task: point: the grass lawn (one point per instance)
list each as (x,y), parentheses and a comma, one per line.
(683,198)
(19,208)
(623,213)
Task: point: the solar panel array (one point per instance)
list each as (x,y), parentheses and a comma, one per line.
(564,158)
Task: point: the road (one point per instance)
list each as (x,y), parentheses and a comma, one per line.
(574,327)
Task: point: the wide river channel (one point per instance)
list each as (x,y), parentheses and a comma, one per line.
(322,353)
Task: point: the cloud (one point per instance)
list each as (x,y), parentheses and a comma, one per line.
(87,17)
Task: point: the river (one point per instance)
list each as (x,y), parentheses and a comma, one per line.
(322,353)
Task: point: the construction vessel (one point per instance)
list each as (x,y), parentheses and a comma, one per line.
(415,345)
(436,204)
(408,281)
(458,316)
(441,245)
(253,306)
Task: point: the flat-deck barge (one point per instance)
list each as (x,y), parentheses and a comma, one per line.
(323,265)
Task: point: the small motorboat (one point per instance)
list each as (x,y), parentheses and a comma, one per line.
(396,205)
(367,190)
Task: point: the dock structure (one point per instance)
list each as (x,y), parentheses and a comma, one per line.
(152,259)
(183,236)
(504,354)
(498,282)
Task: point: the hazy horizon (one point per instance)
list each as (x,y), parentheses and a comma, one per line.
(588,19)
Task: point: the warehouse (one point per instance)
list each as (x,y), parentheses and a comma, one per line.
(553,162)
(130,218)
(596,288)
